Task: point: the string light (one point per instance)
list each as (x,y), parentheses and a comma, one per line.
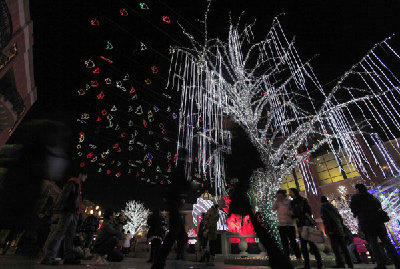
(260,85)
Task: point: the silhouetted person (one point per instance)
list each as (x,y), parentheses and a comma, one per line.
(68,208)
(335,229)
(302,214)
(107,240)
(174,201)
(371,221)
(155,234)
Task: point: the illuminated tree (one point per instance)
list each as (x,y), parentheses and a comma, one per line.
(277,99)
(137,217)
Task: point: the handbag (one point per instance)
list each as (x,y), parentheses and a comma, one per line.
(312,234)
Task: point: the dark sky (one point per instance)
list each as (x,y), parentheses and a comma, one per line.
(339,32)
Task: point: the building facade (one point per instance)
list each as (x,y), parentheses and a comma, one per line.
(17,86)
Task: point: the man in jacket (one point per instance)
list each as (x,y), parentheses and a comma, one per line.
(371,220)
(334,228)
(68,210)
(302,214)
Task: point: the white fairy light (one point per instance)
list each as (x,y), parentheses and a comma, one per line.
(137,217)
(202,206)
(269,91)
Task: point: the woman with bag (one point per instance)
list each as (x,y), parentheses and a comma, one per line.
(335,229)
(286,228)
(306,226)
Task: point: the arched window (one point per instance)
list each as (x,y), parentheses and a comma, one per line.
(5,24)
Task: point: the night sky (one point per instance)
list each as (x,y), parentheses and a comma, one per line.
(336,33)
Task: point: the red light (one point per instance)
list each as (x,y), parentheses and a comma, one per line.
(108,171)
(89,155)
(82,165)
(98,118)
(81,134)
(100,96)
(166,19)
(154,69)
(116,145)
(147,81)
(104,112)
(119,150)
(137,174)
(94,83)
(132,90)
(94,22)
(106,59)
(144,123)
(118,174)
(123,135)
(123,12)
(96,71)
(164,131)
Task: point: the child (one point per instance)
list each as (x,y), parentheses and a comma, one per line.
(361,249)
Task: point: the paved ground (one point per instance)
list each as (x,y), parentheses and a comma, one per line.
(17,262)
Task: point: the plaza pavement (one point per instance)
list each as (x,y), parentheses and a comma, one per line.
(18,262)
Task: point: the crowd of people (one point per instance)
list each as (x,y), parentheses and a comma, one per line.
(56,230)
(348,248)
(41,218)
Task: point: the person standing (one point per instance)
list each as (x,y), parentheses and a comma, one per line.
(174,201)
(68,208)
(371,220)
(126,245)
(286,227)
(302,214)
(155,233)
(211,232)
(335,229)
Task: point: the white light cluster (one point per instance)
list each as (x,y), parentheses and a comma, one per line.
(202,206)
(137,217)
(275,96)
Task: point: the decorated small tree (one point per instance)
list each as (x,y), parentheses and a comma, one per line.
(137,216)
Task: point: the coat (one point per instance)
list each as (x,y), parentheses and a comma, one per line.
(333,221)
(108,237)
(283,212)
(211,224)
(360,244)
(70,201)
(365,208)
(301,211)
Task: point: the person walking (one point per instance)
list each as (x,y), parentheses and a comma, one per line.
(286,227)
(68,208)
(301,211)
(371,220)
(335,230)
